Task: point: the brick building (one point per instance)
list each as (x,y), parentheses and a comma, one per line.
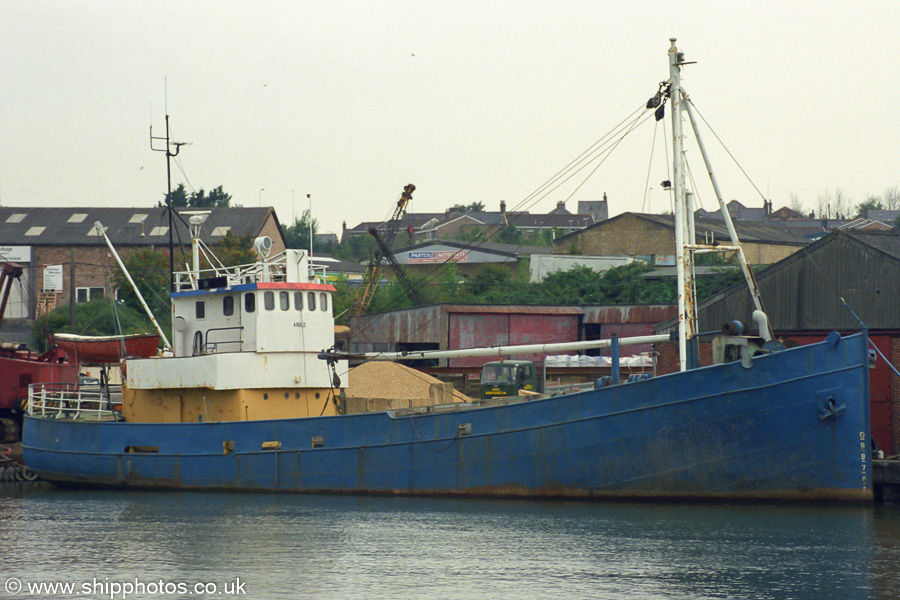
(652,238)
(455,223)
(65,257)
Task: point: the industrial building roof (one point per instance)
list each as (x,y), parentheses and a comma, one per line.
(771,232)
(43,226)
(844,280)
(427,222)
(510,250)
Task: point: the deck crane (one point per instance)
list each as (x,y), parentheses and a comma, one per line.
(373,272)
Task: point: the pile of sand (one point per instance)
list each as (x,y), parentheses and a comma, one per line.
(382,385)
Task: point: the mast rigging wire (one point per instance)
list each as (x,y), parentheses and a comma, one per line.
(598,151)
(649,166)
(724,147)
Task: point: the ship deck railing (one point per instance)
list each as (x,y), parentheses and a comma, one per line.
(74,402)
(272,269)
(488,402)
(217,346)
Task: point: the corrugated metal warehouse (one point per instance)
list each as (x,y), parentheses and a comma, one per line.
(844,281)
(453,326)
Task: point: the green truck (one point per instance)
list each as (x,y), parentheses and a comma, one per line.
(506,377)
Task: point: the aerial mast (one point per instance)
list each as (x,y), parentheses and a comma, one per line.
(169,155)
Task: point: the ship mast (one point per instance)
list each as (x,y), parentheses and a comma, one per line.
(683,219)
(685,236)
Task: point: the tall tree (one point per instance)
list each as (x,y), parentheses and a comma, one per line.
(833,205)
(297,235)
(355,248)
(863,208)
(892,198)
(234,250)
(217,198)
(468,208)
(510,235)
(842,203)
(150,271)
(179,197)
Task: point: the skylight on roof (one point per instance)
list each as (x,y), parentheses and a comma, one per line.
(78,218)
(138,218)
(93,231)
(159,231)
(221,231)
(35,231)
(15,218)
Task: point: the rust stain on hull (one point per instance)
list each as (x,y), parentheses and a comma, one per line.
(821,496)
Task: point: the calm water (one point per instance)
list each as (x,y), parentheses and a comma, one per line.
(293,546)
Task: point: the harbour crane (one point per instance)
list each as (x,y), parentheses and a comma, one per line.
(373,273)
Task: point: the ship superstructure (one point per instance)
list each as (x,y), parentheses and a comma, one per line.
(244,346)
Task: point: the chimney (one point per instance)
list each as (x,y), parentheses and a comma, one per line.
(503,207)
(560,205)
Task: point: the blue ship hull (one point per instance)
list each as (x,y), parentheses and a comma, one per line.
(793,426)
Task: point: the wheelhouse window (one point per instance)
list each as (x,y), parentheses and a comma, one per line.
(249,302)
(311,300)
(228,306)
(298,300)
(323,301)
(269,300)
(284,299)
(200,309)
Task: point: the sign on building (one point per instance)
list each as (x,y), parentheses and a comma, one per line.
(438,256)
(53,278)
(16,254)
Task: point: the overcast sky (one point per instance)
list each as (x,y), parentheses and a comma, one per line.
(469,100)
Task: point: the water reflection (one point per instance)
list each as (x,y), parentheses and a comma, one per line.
(292,546)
